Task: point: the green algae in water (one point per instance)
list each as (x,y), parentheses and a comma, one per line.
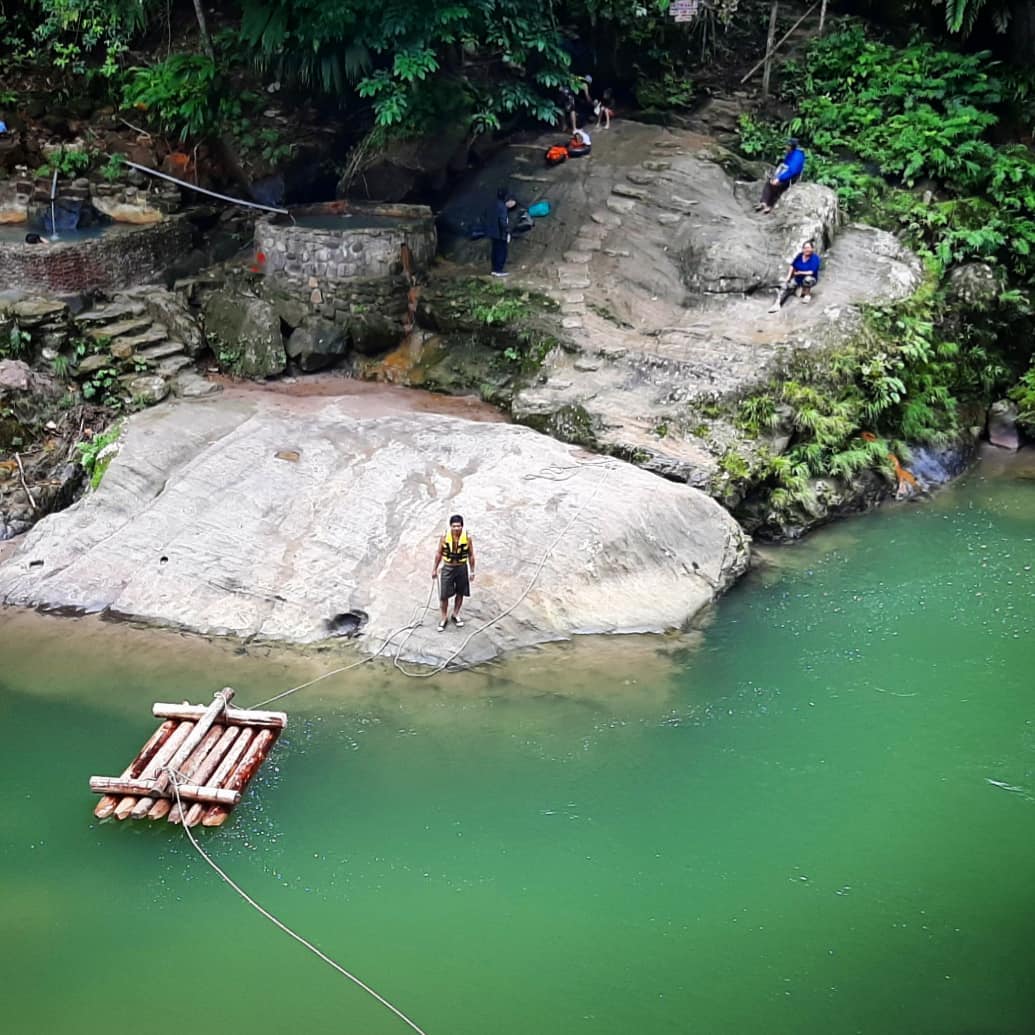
(817,820)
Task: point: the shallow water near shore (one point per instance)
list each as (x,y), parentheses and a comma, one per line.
(813,815)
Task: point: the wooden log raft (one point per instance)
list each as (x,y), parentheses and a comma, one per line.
(207,755)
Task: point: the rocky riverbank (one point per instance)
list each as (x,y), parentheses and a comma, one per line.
(263,516)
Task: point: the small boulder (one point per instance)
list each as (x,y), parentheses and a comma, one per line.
(31,312)
(373,334)
(92,363)
(147,389)
(974,284)
(1002,425)
(189,385)
(316,345)
(244,332)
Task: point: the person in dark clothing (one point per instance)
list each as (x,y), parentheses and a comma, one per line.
(787,172)
(34,239)
(499,232)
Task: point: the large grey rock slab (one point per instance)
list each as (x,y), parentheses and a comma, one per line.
(263,517)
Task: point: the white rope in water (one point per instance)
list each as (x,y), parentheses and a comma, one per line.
(175,779)
(550,474)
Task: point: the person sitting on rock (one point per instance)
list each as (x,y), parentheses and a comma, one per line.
(787,172)
(604,109)
(804,271)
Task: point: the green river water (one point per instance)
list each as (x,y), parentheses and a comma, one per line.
(815,815)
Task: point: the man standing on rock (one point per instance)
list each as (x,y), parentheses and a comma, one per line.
(500,232)
(456,557)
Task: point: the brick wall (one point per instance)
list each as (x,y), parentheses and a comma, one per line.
(117,259)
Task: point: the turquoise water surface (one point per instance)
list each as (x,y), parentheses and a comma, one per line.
(815,815)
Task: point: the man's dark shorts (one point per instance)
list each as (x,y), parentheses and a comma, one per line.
(453,581)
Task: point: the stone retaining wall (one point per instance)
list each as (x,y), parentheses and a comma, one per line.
(332,254)
(117,259)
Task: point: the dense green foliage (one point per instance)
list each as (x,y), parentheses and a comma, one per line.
(902,135)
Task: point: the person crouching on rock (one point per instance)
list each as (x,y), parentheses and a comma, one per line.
(456,557)
(787,172)
(804,271)
(500,232)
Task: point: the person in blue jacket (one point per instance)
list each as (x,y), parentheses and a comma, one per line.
(804,271)
(787,172)
(499,232)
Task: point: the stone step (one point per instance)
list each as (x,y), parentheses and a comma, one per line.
(622,205)
(578,258)
(161,348)
(110,312)
(120,328)
(625,190)
(172,365)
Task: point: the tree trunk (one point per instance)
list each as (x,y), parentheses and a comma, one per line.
(770,40)
(206,39)
(822,16)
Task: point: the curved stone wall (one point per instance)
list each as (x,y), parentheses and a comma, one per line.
(121,257)
(331,253)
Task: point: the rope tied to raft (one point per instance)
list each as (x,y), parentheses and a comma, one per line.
(554,473)
(174,778)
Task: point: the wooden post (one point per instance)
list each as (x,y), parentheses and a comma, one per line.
(106,806)
(245,770)
(220,700)
(770,39)
(224,769)
(233,716)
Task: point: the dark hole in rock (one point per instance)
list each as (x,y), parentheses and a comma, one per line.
(163,560)
(35,564)
(348,623)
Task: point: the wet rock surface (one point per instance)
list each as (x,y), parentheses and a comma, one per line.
(264,516)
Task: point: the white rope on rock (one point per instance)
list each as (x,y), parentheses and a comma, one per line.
(552,473)
(175,779)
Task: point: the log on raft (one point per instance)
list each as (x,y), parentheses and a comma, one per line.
(192,767)
(232,716)
(205,769)
(160,809)
(223,770)
(106,806)
(154,767)
(190,791)
(219,703)
(242,774)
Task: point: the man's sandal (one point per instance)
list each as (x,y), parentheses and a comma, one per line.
(442,626)
(459,621)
